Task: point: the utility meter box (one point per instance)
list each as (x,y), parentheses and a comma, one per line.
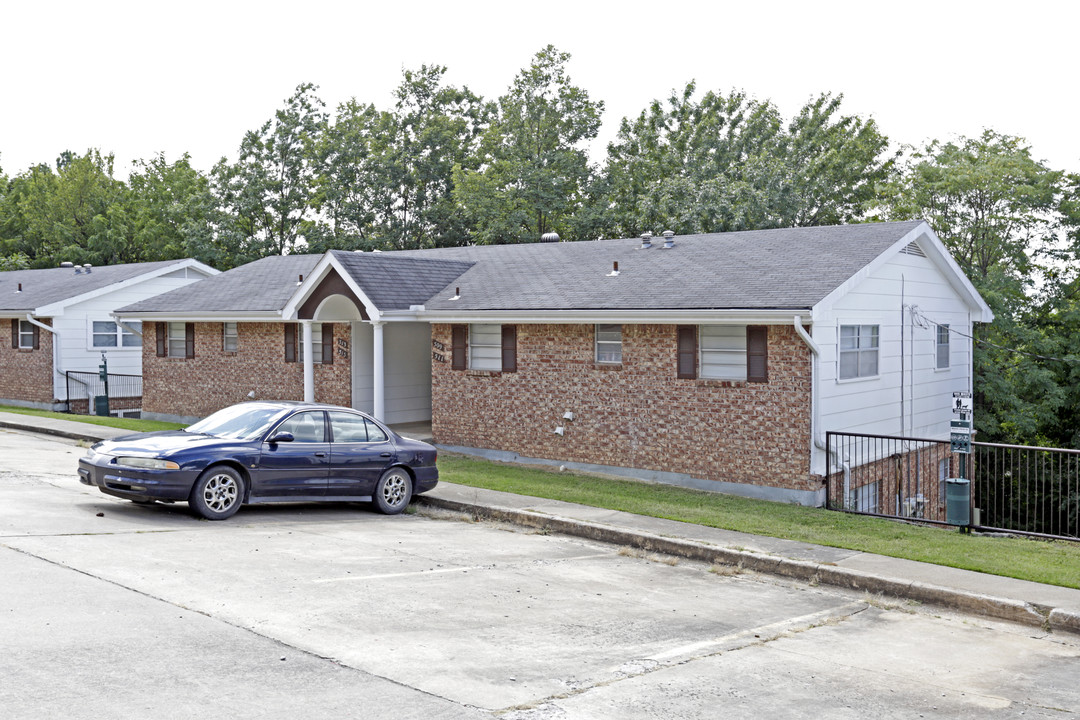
(101,405)
(958,501)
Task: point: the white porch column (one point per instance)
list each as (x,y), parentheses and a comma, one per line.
(377,374)
(309,363)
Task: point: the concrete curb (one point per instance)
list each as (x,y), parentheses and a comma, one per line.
(70,435)
(989,606)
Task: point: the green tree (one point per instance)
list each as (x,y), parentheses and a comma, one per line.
(533,168)
(729,162)
(173,210)
(998,211)
(266,196)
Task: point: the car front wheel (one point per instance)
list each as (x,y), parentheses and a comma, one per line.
(393,492)
(217,493)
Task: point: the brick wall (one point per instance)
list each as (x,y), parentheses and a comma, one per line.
(26,375)
(214,379)
(637,415)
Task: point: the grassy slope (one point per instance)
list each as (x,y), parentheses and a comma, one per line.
(1055,563)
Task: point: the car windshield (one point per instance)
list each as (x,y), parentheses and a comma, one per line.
(238,422)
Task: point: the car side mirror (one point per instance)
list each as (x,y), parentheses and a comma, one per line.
(280,437)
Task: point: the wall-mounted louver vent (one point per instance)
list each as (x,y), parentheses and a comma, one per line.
(913,249)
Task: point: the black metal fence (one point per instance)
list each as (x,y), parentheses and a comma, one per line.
(1012,488)
(84,389)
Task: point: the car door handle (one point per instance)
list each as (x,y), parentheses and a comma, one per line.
(384,454)
(320,454)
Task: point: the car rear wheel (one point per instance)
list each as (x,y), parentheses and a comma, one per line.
(218,493)
(393,492)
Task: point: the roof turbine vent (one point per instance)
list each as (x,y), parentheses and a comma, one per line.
(669,239)
(646,240)
(550,237)
(67,264)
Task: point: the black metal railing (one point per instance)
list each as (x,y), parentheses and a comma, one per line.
(1012,488)
(84,389)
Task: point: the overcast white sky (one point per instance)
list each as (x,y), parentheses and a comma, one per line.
(136,78)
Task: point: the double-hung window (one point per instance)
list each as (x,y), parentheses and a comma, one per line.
(942,347)
(177,339)
(109,334)
(858,351)
(609,344)
(485,347)
(737,353)
(26,335)
(723,352)
(230,339)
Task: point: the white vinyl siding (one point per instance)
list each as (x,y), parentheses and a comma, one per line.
(722,351)
(609,344)
(858,351)
(485,347)
(943,358)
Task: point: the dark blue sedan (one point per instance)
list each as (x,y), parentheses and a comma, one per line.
(261,452)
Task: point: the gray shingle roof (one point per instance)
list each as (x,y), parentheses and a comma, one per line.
(394,282)
(263,285)
(792,268)
(44,287)
(759,269)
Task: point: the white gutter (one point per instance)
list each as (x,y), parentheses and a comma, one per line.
(627,317)
(818,440)
(56,346)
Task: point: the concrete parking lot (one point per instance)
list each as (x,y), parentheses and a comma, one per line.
(108,609)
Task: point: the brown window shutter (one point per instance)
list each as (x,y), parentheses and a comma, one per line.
(290,342)
(327,344)
(162,339)
(37,337)
(458,347)
(509,348)
(757,353)
(14,334)
(189,340)
(688,349)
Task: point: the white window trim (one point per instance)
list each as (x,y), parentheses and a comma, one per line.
(739,376)
(316,343)
(170,338)
(26,329)
(477,332)
(120,333)
(938,345)
(597,342)
(226,335)
(840,352)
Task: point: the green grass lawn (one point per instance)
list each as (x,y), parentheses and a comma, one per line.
(1051,562)
(133,424)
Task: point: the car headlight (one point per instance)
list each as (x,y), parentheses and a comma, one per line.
(147,463)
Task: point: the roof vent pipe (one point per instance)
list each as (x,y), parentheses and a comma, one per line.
(646,240)
(86,268)
(19,290)
(614,269)
(669,239)
(457,294)
(300,280)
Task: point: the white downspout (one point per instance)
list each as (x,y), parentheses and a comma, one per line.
(309,363)
(817,437)
(57,371)
(378,372)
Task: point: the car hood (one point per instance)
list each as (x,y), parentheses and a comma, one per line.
(159,443)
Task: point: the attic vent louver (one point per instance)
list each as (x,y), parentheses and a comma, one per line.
(913,248)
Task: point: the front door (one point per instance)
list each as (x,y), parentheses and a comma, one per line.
(297,468)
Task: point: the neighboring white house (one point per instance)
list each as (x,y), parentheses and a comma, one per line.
(73,306)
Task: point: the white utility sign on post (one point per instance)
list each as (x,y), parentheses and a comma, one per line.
(960,426)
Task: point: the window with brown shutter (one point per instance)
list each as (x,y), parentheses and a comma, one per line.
(687,348)
(757,353)
(509,348)
(189,340)
(14,334)
(162,339)
(327,344)
(290,342)
(458,351)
